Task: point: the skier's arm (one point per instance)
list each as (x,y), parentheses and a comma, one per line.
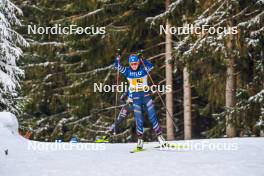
(149,66)
(119,66)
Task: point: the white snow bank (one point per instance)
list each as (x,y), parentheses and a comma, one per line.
(9,121)
(9,138)
(238,156)
(115,159)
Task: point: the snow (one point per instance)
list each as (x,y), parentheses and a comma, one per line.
(260,2)
(171,8)
(9,121)
(258,98)
(244,157)
(54,43)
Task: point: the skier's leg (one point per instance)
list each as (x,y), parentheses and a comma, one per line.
(138,114)
(138,117)
(123,114)
(152,114)
(154,120)
(139,123)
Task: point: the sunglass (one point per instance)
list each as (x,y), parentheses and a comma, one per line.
(134,64)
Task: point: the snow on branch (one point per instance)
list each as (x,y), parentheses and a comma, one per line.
(73,18)
(90,14)
(8,13)
(258,98)
(95,71)
(249,18)
(253,21)
(206,20)
(157,56)
(261,2)
(117,28)
(171,9)
(54,43)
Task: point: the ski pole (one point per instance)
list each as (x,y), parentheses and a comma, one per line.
(117,83)
(163,103)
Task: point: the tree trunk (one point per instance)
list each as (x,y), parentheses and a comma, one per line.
(230,87)
(169,80)
(187,104)
(230,96)
(262,118)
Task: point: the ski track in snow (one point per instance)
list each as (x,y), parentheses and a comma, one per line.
(247,160)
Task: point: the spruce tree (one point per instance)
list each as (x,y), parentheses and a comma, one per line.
(11,43)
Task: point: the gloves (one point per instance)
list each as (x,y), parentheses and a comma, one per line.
(129,100)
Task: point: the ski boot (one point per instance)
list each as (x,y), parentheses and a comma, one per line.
(139,147)
(104,139)
(101,139)
(163,143)
(140,144)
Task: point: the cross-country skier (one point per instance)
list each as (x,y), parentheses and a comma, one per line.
(126,109)
(137,74)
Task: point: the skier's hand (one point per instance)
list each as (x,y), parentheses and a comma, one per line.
(129,100)
(118,58)
(118,54)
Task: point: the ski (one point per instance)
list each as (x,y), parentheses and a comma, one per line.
(176,146)
(101,139)
(137,150)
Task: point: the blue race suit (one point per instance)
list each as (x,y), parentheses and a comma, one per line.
(141,98)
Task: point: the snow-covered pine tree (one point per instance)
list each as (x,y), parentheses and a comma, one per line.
(10,52)
(233,50)
(209,56)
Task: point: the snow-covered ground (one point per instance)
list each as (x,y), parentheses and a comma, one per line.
(237,156)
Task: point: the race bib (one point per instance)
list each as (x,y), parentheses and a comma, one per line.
(137,81)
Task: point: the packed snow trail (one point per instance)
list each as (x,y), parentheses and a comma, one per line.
(114,159)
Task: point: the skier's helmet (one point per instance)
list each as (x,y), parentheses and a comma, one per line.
(133,58)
